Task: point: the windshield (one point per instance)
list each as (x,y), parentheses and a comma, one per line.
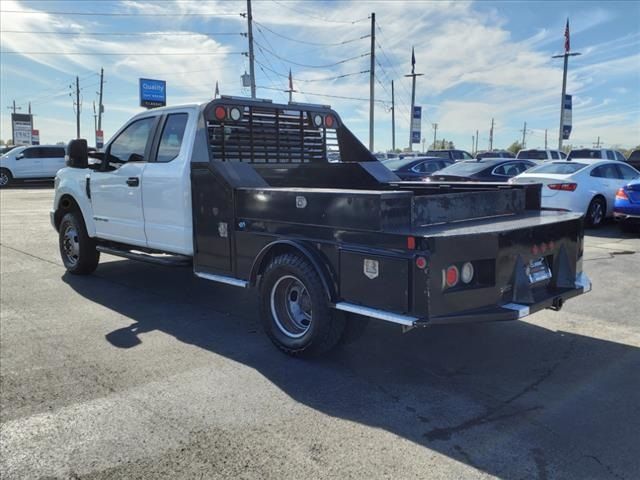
(438,153)
(463,168)
(397,163)
(561,168)
(533,154)
(585,153)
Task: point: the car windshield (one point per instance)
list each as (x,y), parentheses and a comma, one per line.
(398,163)
(438,153)
(561,168)
(533,154)
(463,168)
(585,153)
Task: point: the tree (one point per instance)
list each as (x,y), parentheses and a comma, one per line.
(515,147)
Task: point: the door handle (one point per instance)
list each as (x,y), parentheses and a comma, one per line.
(133,181)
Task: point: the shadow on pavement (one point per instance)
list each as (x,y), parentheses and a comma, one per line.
(511,399)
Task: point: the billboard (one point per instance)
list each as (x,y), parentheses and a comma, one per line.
(566,117)
(35,137)
(99,139)
(153,93)
(21,128)
(416,124)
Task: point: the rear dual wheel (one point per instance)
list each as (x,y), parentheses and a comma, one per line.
(295,310)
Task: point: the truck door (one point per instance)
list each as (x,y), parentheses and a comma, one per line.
(116,189)
(166,188)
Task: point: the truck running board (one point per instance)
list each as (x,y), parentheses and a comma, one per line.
(165,260)
(236,282)
(404,320)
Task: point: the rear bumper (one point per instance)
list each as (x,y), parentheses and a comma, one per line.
(507,311)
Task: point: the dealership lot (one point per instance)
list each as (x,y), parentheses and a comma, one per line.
(141,371)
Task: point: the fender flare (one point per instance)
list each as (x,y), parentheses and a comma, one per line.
(82,203)
(314,257)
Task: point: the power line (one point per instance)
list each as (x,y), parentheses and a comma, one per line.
(123,33)
(312,66)
(121,14)
(333,96)
(309,80)
(123,53)
(344,42)
(328,20)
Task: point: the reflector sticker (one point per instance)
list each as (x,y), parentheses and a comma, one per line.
(371,268)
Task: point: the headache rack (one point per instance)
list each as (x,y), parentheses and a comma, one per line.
(266,133)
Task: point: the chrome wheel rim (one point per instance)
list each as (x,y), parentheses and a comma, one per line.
(291,306)
(71,245)
(4,179)
(597,213)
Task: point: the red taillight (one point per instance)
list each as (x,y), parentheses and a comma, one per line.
(567,187)
(220,113)
(452,276)
(421,263)
(411,243)
(621,194)
(329,121)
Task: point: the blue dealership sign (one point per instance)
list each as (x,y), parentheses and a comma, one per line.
(153,93)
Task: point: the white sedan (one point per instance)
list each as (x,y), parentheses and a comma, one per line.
(581,185)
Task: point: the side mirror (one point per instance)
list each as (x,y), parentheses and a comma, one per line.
(20,156)
(77,154)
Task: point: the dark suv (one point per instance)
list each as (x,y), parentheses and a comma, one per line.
(455,155)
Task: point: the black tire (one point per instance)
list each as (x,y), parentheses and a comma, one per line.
(295,310)
(77,249)
(596,212)
(5,178)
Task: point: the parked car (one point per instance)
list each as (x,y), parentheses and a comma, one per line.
(382,156)
(6,149)
(541,155)
(31,162)
(454,155)
(416,168)
(584,185)
(634,159)
(495,154)
(485,170)
(596,153)
(626,208)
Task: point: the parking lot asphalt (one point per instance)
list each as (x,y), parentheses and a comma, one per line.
(140,371)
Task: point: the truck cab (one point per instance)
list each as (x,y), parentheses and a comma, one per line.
(283,198)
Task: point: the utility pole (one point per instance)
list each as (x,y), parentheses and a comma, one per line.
(545,138)
(491,137)
(413,76)
(76,105)
(476,142)
(435,133)
(95,117)
(567,53)
(393,118)
(597,145)
(13,107)
(473,142)
(524,135)
(100,106)
(372,78)
(252,72)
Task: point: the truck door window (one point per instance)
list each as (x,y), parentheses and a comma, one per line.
(171,138)
(30,153)
(131,143)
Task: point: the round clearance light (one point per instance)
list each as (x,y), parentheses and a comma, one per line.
(235,114)
(466,273)
(451,277)
(421,263)
(317,120)
(329,121)
(220,113)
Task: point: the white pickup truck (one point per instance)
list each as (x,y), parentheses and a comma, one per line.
(286,199)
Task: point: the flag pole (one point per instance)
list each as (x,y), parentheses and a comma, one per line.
(567,53)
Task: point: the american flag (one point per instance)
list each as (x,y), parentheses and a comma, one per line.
(567,45)
(290,81)
(413,60)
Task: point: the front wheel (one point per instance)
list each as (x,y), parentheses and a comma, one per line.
(5,177)
(77,249)
(295,310)
(596,212)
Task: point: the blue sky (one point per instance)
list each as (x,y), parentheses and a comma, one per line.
(480,60)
